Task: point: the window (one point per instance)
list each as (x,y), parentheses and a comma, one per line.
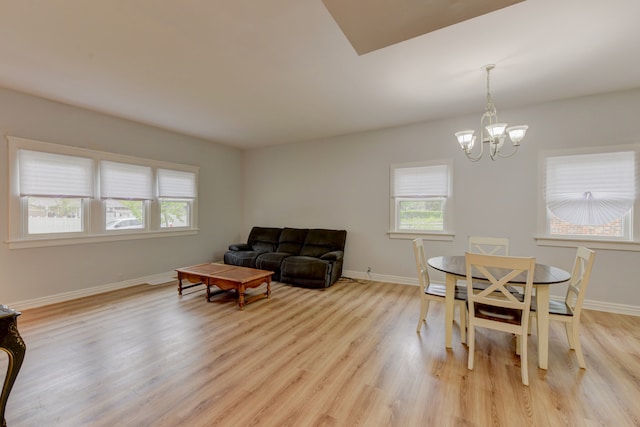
(63,195)
(590,195)
(54,215)
(176,192)
(52,187)
(126,189)
(420,198)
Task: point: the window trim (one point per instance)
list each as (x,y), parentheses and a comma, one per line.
(93,208)
(543,238)
(447,233)
(564,242)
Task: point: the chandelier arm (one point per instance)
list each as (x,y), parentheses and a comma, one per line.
(472,158)
(493,152)
(513,152)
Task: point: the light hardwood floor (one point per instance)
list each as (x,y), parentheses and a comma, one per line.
(345,356)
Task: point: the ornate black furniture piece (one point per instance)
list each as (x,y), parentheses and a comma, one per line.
(11,342)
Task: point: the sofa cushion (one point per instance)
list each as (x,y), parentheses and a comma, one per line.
(333,256)
(320,241)
(271,261)
(264,239)
(291,240)
(240,247)
(306,267)
(262,247)
(241,259)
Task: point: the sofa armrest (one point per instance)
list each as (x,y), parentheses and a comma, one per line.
(240,247)
(333,256)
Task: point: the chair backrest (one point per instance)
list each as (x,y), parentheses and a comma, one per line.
(579,281)
(421,263)
(495,303)
(489,245)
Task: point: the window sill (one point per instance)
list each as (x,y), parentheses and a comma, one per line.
(427,235)
(615,245)
(95,238)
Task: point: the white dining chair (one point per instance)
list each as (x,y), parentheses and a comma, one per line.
(435,292)
(569,310)
(489,245)
(496,307)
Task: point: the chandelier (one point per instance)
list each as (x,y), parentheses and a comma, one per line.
(492,132)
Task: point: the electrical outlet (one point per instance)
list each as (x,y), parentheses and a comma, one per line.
(368,270)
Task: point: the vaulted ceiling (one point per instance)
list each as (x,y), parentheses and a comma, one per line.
(251,73)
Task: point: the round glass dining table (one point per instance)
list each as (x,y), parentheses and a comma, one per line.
(544,275)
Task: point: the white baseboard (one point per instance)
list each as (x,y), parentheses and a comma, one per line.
(380,277)
(610,307)
(161,279)
(170,276)
(588,304)
(155,279)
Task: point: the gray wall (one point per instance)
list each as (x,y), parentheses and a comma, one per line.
(27,274)
(343,182)
(340,182)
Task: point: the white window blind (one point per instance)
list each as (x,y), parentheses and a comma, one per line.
(421,182)
(125,181)
(591,189)
(45,174)
(176,184)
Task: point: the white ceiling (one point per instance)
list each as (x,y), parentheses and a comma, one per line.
(252,73)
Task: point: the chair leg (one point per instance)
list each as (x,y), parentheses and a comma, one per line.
(463,323)
(524,366)
(471,343)
(568,328)
(518,345)
(576,345)
(424,308)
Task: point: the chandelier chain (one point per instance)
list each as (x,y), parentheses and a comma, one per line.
(490,107)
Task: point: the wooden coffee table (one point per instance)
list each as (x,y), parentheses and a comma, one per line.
(226,277)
